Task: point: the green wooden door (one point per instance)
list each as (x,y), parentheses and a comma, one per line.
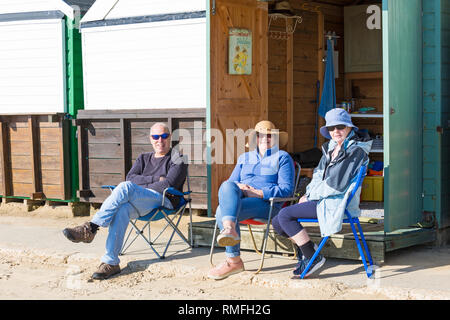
(402,74)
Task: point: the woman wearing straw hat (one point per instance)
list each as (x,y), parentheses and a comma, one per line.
(328,191)
(260,174)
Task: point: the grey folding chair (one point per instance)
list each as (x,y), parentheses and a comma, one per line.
(250,222)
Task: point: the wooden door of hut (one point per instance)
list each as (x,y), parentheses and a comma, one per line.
(237,101)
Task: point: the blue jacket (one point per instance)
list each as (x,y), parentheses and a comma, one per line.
(273,173)
(333,181)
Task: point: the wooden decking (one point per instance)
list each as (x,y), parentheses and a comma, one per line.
(341,245)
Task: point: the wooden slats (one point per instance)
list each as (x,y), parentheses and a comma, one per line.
(109,146)
(32,157)
(4,160)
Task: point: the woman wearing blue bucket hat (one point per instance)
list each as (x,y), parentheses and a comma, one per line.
(326,196)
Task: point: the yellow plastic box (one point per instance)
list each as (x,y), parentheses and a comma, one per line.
(372,188)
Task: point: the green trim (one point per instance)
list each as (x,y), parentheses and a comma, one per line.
(385,36)
(403,127)
(75,96)
(208,106)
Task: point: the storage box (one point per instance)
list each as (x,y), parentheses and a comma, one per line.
(372,189)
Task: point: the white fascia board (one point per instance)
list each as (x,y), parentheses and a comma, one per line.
(144,25)
(135,8)
(65,8)
(99,10)
(22,6)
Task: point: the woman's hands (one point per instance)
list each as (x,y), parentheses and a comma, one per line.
(250,192)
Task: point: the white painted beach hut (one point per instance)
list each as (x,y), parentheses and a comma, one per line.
(141,54)
(143,62)
(41,89)
(36,39)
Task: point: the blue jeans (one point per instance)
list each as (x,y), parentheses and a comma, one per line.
(127,201)
(233,206)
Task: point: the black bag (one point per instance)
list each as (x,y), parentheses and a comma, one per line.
(309,158)
(301,188)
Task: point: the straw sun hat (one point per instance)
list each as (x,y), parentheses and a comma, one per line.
(267,127)
(283,7)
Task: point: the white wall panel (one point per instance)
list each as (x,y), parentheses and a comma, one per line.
(142,66)
(32,71)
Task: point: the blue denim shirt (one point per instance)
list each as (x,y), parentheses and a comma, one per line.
(273,173)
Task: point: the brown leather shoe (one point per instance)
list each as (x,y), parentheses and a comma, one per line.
(105,271)
(81,233)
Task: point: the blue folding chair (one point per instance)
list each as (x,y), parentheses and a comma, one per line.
(352,221)
(162,213)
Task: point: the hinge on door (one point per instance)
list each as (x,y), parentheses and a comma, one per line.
(213,7)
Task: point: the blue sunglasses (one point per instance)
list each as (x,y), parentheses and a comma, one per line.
(157,136)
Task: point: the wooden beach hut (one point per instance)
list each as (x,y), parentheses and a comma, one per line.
(392,60)
(40,91)
(143,62)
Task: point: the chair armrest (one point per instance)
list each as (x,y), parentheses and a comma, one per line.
(108,187)
(176,192)
(274,199)
(173,191)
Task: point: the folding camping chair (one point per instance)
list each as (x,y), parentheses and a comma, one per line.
(351,220)
(162,213)
(258,222)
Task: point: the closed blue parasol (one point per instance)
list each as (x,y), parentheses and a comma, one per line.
(328,100)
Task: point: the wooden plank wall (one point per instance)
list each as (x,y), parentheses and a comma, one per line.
(109,147)
(33,157)
(305,73)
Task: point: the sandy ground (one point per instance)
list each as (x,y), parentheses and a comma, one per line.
(37,272)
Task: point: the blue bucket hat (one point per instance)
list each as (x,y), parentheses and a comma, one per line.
(335,117)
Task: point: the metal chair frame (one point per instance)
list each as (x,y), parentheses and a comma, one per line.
(250,222)
(352,221)
(162,213)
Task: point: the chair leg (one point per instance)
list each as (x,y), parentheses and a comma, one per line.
(322,243)
(253,239)
(175,228)
(140,233)
(212,246)
(190,226)
(122,250)
(266,236)
(361,252)
(366,247)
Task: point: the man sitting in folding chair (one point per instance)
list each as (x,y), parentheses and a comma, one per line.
(151,174)
(259,175)
(326,196)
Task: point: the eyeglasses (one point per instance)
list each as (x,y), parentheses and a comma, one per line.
(164,136)
(339,127)
(262,135)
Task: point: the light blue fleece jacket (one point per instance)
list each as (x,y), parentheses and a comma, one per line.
(334,180)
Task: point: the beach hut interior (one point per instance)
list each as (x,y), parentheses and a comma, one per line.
(296,66)
(292,36)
